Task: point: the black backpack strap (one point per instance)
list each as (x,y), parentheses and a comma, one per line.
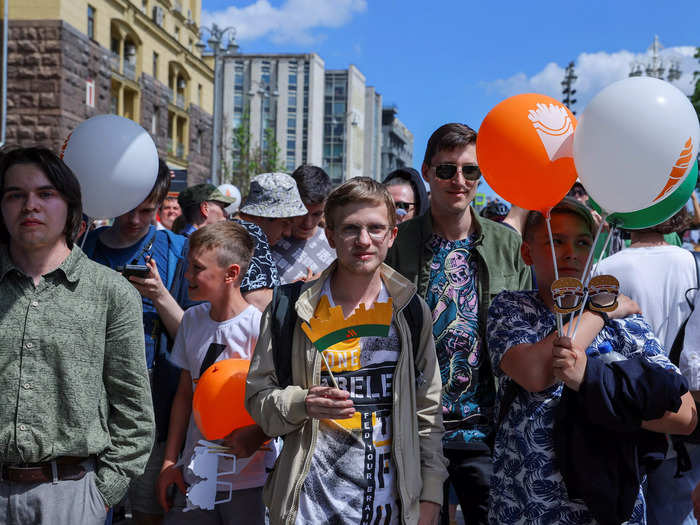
(414,317)
(677,347)
(213,353)
(282,323)
(413,312)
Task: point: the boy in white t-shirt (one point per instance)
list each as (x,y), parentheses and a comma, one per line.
(218,258)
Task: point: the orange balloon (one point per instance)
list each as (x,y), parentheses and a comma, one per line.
(525,150)
(218,402)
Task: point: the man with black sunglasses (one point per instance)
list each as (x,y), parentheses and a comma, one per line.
(408,190)
(459,261)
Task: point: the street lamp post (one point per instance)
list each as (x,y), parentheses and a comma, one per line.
(655,66)
(266,92)
(215,41)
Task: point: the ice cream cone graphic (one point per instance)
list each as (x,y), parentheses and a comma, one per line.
(679,169)
(555,129)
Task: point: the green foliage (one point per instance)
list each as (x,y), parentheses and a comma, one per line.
(246,161)
(695,97)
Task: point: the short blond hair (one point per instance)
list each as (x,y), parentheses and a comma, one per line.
(231,241)
(359,189)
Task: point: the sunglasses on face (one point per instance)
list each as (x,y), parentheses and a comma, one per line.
(568,294)
(404,205)
(447,171)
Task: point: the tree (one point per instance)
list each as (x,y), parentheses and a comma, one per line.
(246,161)
(567,90)
(695,97)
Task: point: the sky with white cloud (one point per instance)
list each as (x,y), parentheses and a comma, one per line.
(292,22)
(595,71)
(453,60)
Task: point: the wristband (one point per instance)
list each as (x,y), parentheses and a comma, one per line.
(603,315)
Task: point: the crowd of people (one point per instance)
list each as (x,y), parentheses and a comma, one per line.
(473,396)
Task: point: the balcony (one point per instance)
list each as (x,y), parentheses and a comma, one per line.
(114,61)
(130,70)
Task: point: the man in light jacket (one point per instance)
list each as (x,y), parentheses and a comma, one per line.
(369,449)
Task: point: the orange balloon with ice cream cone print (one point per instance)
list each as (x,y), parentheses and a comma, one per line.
(525,150)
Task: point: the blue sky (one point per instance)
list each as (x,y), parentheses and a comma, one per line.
(453,60)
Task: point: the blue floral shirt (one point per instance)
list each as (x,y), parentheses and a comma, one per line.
(468,393)
(526,486)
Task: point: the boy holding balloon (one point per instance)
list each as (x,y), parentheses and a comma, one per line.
(550,376)
(225,326)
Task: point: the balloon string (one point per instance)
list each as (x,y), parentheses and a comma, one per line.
(585,297)
(584,275)
(323,356)
(547,219)
(88,224)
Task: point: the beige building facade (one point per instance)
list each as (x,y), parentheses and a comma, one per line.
(69,60)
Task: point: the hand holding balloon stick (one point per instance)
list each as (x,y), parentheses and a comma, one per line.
(329,327)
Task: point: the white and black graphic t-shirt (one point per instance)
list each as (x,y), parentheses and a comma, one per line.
(197,332)
(352,478)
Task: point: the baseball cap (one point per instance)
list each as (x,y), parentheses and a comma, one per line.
(199,193)
(572,205)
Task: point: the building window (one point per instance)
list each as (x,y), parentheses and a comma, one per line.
(144,6)
(177,33)
(199,95)
(91,22)
(155,65)
(265,73)
(154,120)
(197,142)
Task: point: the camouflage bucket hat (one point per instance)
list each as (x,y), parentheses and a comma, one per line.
(273,195)
(199,193)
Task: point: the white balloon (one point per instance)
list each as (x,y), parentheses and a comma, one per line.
(231,191)
(115,161)
(635,143)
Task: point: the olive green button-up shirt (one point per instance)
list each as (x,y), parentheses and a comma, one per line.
(73,378)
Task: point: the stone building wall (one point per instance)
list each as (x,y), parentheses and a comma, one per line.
(154,100)
(48,63)
(201,123)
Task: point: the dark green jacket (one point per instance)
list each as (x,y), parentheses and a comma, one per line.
(499,264)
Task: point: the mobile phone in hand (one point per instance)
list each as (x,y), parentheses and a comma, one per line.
(139,270)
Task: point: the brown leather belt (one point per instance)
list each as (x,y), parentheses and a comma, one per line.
(62,468)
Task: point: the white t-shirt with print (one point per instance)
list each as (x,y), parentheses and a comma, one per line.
(197,332)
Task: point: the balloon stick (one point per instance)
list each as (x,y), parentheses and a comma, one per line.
(323,356)
(547,220)
(585,297)
(88,224)
(585,277)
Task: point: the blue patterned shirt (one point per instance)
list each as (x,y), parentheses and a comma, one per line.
(526,486)
(468,393)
